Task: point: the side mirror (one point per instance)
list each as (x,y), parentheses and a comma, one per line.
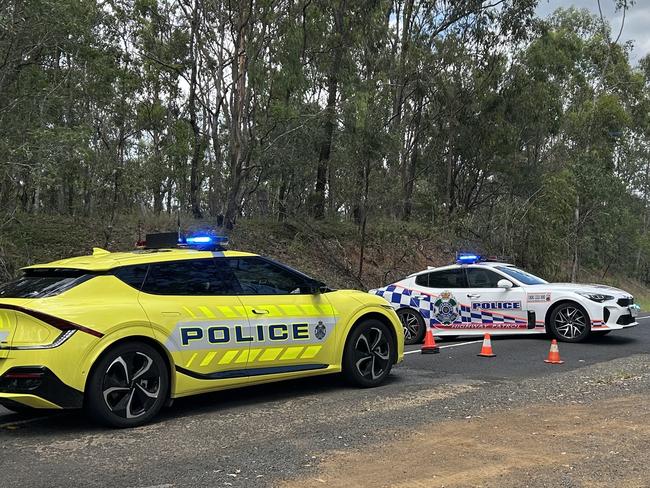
(505,284)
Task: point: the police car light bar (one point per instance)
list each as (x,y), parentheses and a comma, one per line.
(467,258)
(170,240)
(198,240)
(204,242)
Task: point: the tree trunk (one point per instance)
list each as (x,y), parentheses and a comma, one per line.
(410,166)
(195,182)
(238,106)
(575,264)
(318,209)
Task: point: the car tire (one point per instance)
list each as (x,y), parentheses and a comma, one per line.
(569,322)
(413,324)
(128,385)
(369,354)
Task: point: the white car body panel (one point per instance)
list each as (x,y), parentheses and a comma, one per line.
(522,309)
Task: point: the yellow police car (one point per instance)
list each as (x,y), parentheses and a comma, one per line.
(121,334)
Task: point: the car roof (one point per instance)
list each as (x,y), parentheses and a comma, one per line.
(102,260)
(485,264)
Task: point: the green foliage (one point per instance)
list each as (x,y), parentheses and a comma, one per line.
(486,125)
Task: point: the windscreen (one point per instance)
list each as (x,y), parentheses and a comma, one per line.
(42,283)
(521,275)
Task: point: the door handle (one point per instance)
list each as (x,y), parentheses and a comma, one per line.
(419,297)
(260,311)
(473,295)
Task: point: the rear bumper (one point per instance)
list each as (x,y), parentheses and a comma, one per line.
(37,387)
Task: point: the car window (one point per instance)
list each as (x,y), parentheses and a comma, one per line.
(448,278)
(257,276)
(44,282)
(132,275)
(190,277)
(422,279)
(482,278)
(522,276)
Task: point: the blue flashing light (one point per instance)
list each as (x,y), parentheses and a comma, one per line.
(467,258)
(204,242)
(198,240)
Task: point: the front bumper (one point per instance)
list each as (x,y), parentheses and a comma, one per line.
(37,387)
(616,317)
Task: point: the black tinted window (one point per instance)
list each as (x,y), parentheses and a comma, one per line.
(449,278)
(482,278)
(41,283)
(191,277)
(257,276)
(132,275)
(422,280)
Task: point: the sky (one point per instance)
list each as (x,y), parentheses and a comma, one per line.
(637,20)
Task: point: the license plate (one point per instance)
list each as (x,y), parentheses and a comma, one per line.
(634,310)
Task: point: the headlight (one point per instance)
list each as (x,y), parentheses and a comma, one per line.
(596,297)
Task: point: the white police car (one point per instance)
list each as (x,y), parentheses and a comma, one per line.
(476,296)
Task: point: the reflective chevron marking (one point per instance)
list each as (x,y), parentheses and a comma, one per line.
(208,358)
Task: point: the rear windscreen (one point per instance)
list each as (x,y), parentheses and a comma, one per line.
(41,283)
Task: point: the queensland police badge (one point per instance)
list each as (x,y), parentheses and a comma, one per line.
(320,330)
(445,308)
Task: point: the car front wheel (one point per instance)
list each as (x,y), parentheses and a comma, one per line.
(128,386)
(569,322)
(369,354)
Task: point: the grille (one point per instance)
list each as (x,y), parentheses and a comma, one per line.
(625,320)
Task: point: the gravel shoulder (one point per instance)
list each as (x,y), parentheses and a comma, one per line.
(418,428)
(602,443)
(587,427)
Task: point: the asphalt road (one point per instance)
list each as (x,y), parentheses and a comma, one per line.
(260,435)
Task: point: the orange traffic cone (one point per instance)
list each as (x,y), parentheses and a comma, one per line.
(429,346)
(486,350)
(554,354)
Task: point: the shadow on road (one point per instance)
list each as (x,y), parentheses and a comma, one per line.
(41,422)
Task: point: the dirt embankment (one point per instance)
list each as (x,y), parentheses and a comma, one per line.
(603,444)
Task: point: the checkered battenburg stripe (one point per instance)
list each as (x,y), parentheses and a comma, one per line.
(400,297)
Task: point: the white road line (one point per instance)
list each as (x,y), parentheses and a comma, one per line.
(449,345)
(643,318)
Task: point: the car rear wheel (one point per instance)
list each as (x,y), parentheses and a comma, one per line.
(569,322)
(369,354)
(413,323)
(128,386)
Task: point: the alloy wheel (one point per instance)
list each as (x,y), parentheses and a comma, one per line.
(131,385)
(570,322)
(411,324)
(372,353)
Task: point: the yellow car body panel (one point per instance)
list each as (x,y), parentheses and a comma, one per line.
(210,342)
